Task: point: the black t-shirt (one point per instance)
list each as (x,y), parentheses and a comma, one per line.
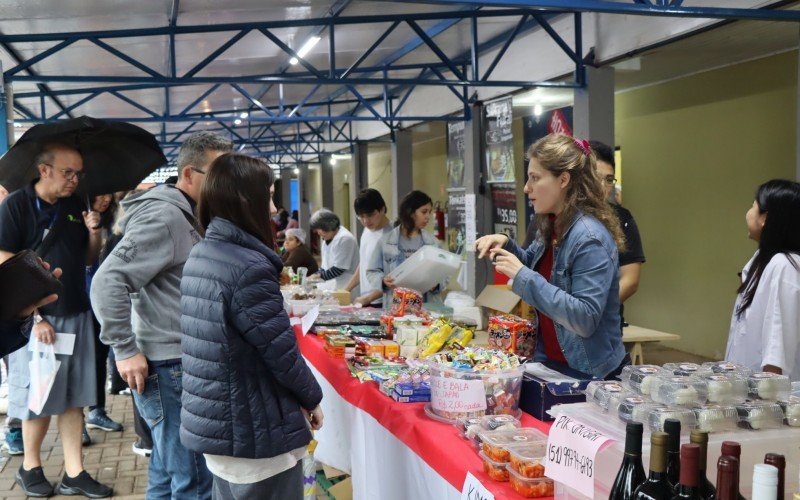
(24,217)
(634,252)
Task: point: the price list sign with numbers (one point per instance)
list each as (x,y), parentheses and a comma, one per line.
(504,215)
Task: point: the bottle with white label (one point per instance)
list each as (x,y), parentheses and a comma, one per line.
(765,482)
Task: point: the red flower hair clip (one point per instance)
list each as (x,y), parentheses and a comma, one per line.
(584,146)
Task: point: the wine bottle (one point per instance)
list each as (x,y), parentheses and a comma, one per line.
(631,473)
(657,486)
(727,478)
(733,449)
(690,474)
(779,462)
(796,495)
(700,438)
(672,427)
(765,482)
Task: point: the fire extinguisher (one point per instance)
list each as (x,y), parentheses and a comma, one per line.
(439,213)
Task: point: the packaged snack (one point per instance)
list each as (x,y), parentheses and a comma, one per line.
(459,337)
(496,444)
(681,391)
(406,301)
(512,334)
(638,377)
(528,459)
(340,346)
(368,347)
(658,415)
(760,415)
(684,369)
(601,392)
(727,367)
(391,349)
(387,323)
(726,387)
(324,331)
(499,422)
(495,470)
(531,488)
(464,424)
(635,408)
(717,418)
(769,386)
(791,410)
(437,335)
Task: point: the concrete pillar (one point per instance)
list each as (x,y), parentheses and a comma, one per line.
(326,180)
(593,117)
(402,172)
(286,188)
(302,189)
(479,272)
(359,179)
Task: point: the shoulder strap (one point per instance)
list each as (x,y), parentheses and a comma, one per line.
(50,238)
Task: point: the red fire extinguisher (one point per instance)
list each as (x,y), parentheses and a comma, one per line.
(439,213)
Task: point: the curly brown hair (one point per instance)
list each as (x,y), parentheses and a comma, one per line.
(559,153)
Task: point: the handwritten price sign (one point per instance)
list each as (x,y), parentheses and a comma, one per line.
(571,451)
(451,394)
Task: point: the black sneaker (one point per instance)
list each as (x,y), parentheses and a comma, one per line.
(33,482)
(85,485)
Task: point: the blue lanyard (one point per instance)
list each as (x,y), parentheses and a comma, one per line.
(53,213)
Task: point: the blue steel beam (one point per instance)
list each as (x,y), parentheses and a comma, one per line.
(133,103)
(39,57)
(199,99)
(125,57)
(225,46)
(75,105)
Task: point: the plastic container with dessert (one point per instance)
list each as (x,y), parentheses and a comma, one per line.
(602,392)
(681,391)
(727,367)
(717,418)
(636,409)
(527,460)
(530,487)
(496,444)
(472,427)
(758,415)
(791,410)
(769,386)
(684,369)
(730,387)
(686,416)
(637,378)
(494,469)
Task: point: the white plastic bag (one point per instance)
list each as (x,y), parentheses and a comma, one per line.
(43,369)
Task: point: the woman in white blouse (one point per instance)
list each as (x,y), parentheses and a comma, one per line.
(765,327)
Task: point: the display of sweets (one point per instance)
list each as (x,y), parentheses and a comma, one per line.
(686,417)
(636,408)
(444,335)
(728,367)
(324,331)
(528,459)
(726,387)
(495,470)
(684,369)
(365,331)
(769,386)
(604,392)
(757,415)
(497,444)
(477,359)
(408,382)
(638,378)
(681,391)
(513,334)
(340,346)
(791,410)
(531,488)
(472,427)
(716,418)
(406,301)
(374,368)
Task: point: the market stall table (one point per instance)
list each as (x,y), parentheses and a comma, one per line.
(637,335)
(391,450)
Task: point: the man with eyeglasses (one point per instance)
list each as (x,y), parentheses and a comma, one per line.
(46,216)
(137,299)
(631,260)
(371,211)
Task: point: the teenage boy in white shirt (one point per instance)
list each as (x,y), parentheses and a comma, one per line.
(371,211)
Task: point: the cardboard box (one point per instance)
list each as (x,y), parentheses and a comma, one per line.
(342,297)
(500,299)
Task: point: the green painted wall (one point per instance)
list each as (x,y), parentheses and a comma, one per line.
(695,149)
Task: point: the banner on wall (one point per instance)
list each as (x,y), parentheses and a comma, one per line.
(504,216)
(456,235)
(455,154)
(499,141)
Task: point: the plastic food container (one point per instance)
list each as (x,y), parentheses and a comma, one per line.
(684,369)
(601,392)
(496,444)
(472,427)
(760,415)
(681,391)
(729,387)
(495,470)
(528,460)
(638,378)
(658,415)
(531,488)
(717,418)
(791,410)
(728,367)
(301,307)
(636,409)
(769,386)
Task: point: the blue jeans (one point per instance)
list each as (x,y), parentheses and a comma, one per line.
(174,471)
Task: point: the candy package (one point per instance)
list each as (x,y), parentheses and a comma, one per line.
(513,334)
(406,301)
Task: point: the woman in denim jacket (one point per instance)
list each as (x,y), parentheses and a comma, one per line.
(570,273)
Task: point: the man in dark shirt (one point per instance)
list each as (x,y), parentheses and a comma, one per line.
(631,260)
(48,205)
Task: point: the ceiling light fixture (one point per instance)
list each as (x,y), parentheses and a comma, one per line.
(305,49)
(237,121)
(244,115)
(537,109)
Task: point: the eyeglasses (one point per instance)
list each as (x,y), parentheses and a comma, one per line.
(68,173)
(610,180)
(199,171)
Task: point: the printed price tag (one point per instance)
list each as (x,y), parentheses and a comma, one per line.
(308,320)
(452,394)
(474,490)
(571,451)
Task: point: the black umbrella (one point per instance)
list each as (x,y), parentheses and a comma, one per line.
(117,156)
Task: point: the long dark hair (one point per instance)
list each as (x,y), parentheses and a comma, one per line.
(780,200)
(237,189)
(108,217)
(410,203)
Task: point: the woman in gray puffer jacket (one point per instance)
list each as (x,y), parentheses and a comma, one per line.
(248,396)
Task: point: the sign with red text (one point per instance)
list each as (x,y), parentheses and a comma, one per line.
(457,395)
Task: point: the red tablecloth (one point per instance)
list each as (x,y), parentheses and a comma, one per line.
(429,439)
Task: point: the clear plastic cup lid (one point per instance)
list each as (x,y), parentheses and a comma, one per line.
(729,387)
(529,452)
(760,414)
(728,367)
(636,409)
(681,391)
(769,386)
(791,410)
(685,369)
(658,416)
(713,417)
(601,392)
(636,377)
(494,422)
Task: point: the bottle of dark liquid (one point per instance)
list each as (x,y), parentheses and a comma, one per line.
(631,473)
(672,427)
(727,478)
(690,474)
(779,462)
(656,487)
(733,449)
(700,438)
